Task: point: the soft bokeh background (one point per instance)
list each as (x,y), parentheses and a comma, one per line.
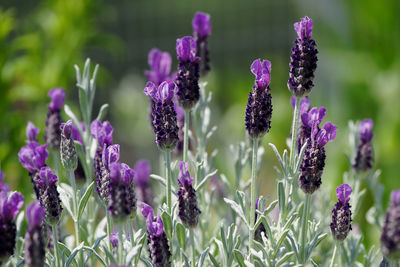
(358,73)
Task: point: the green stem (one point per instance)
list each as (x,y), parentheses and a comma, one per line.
(304,227)
(191,233)
(55,241)
(109,231)
(131,233)
(167,156)
(75,204)
(293,147)
(186,135)
(253,193)
(120,244)
(333,256)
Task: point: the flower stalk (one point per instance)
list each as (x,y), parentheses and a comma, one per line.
(186,135)
(304,226)
(253,193)
(55,242)
(167,161)
(293,147)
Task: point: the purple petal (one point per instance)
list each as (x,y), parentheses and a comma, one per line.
(343,192)
(102,132)
(304,28)
(121,173)
(66,129)
(165,92)
(33,156)
(147,211)
(262,71)
(143,170)
(15,203)
(47,177)
(150,89)
(32,132)
(304,104)
(110,155)
(201,24)
(35,214)
(395,197)
(184,179)
(57,99)
(160,64)
(186,49)
(326,134)
(114,240)
(366,133)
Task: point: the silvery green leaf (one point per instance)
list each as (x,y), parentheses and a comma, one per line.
(20,263)
(146,261)
(284,258)
(166,218)
(239,257)
(133,252)
(281,198)
(102,112)
(213,260)
(294,245)
(83,201)
(99,258)
(140,241)
(109,255)
(270,207)
(74,252)
(315,242)
(19,221)
(100,228)
(280,240)
(201,184)
(66,199)
(237,209)
(223,239)
(180,235)
(66,252)
(185,257)
(211,132)
(158,178)
(203,257)
(93,147)
(74,119)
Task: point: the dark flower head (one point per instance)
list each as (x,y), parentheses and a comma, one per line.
(259,104)
(184,178)
(102,132)
(33,156)
(341,214)
(366,133)
(49,197)
(201,24)
(57,99)
(262,71)
(35,214)
(47,177)
(186,49)
(304,28)
(110,155)
(34,239)
(390,238)
(160,66)
(364,155)
(69,158)
(142,169)
(32,132)
(303,61)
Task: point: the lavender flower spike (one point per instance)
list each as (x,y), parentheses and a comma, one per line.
(156,238)
(34,239)
(187,81)
(143,189)
(313,163)
(110,155)
(202,29)
(160,67)
(341,214)
(53,122)
(69,159)
(10,204)
(32,132)
(259,104)
(364,157)
(122,199)
(50,198)
(187,199)
(303,60)
(163,114)
(304,131)
(390,238)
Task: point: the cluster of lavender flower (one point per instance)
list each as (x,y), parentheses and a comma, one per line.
(106,230)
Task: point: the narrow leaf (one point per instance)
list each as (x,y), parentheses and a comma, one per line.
(84,199)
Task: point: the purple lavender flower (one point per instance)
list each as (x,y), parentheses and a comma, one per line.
(259,105)
(110,155)
(114,240)
(34,239)
(69,159)
(32,132)
(364,157)
(53,122)
(33,157)
(261,228)
(122,199)
(341,214)
(202,29)
(313,163)
(187,81)
(143,189)
(160,67)
(187,199)
(303,132)
(390,238)
(156,238)
(10,204)
(163,114)
(303,60)
(50,198)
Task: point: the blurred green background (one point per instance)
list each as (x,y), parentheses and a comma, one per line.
(358,73)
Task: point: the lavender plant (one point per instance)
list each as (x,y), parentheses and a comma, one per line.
(291,230)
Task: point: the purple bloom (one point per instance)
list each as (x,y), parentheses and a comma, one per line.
(114,240)
(202,29)
(122,199)
(49,197)
(69,158)
(160,67)
(187,199)
(341,214)
(33,156)
(187,81)
(102,132)
(53,121)
(303,60)
(34,239)
(163,114)
(32,132)
(156,238)
(390,238)
(259,104)
(10,204)
(110,155)
(364,157)
(75,134)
